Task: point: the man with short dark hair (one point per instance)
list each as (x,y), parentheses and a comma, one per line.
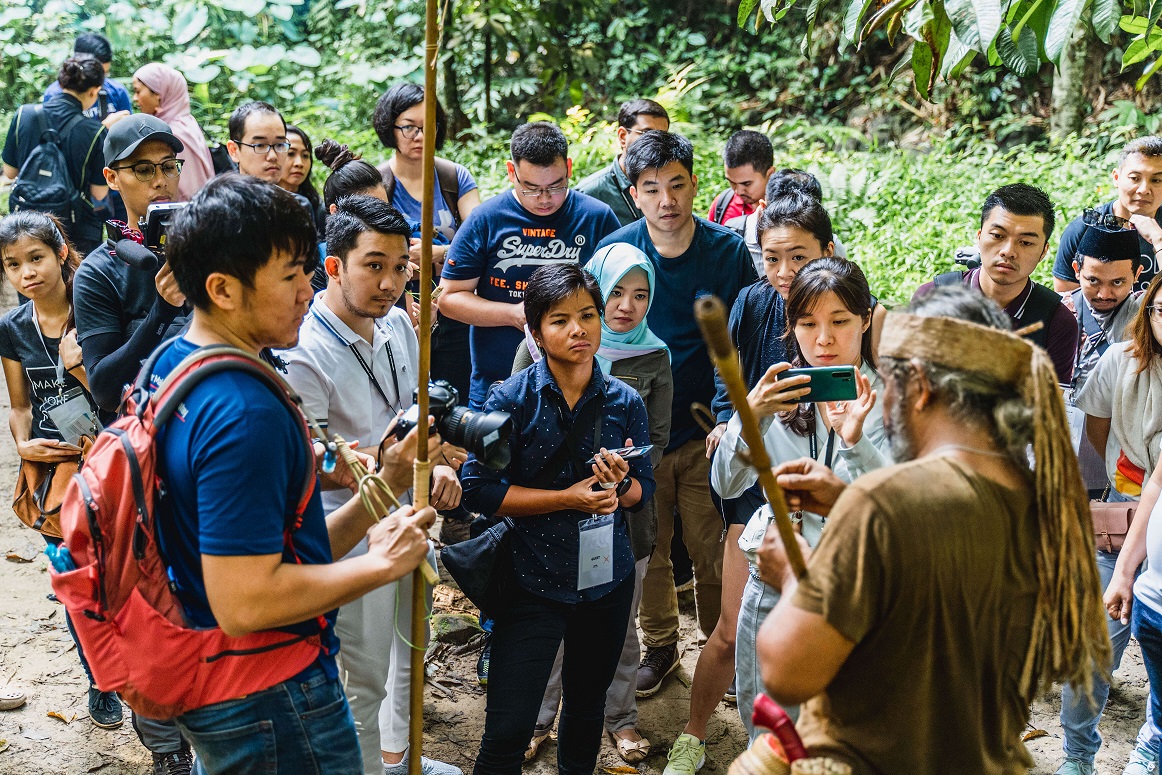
(693,258)
(610,185)
(355,367)
(234,467)
(1138,178)
(1015,224)
(124,312)
(113,97)
(540,221)
(748,161)
(258,143)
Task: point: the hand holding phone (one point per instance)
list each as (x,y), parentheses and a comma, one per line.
(626,453)
(826,383)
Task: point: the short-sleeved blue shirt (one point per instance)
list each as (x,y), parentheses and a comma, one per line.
(1071,238)
(545,547)
(233,459)
(412,208)
(501,245)
(717,262)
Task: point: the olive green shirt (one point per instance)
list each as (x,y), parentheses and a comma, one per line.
(611,186)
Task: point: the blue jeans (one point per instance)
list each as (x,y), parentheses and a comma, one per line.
(758,600)
(297,727)
(1146,624)
(1079,719)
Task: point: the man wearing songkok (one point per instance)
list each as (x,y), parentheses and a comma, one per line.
(951,587)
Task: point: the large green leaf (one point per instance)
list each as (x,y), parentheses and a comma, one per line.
(922,67)
(976,22)
(1135,25)
(1106,15)
(855,12)
(1064,21)
(189,23)
(1020,56)
(745,9)
(956,58)
(812,15)
(1141,48)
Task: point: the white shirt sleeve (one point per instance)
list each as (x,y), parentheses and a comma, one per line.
(1096,397)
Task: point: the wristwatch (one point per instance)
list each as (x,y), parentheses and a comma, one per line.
(623,486)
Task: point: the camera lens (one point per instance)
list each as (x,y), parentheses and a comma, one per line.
(484,434)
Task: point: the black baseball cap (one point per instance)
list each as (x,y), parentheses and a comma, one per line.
(131,131)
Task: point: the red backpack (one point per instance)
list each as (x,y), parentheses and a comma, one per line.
(120,598)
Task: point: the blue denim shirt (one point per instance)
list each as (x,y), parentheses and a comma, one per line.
(545,547)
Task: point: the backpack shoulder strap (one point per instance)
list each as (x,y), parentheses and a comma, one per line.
(213,359)
(449,187)
(954,277)
(721,203)
(388,179)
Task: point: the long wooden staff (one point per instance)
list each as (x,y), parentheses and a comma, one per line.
(423,465)
(711,317)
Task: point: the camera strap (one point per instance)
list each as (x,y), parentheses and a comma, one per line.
(569,452)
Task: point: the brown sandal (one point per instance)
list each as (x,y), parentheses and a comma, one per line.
(630,751)
(539,738)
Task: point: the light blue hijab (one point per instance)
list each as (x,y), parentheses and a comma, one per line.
(609,265)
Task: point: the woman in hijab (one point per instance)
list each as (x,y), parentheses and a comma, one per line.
(635,355)
(161,91)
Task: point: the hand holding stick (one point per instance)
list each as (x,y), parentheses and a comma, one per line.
(711,317)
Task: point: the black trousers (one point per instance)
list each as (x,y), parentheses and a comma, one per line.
(525,639)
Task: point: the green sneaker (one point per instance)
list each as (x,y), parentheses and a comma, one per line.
(686,757)
(1075,767)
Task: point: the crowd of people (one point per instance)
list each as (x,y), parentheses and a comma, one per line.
(952,571)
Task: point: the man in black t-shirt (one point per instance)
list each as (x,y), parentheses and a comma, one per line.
(122,312)
(1138,178)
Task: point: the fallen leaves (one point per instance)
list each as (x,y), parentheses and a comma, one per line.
(1033,734)
(58,715)
(621,770)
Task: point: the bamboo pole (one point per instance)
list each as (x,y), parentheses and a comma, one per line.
(423,465)
(711,316)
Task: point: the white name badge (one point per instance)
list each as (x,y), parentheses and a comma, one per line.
(595,552)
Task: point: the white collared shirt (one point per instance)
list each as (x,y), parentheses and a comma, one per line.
(337,390)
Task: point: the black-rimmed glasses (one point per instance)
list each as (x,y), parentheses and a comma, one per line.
(145,171)
(264,148)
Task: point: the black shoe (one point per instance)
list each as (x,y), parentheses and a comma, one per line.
(105,708)
(179,763)
(732,693)
(454,531)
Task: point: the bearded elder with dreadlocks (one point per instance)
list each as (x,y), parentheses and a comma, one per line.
(949,588)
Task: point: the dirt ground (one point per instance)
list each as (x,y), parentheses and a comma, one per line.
(37,656)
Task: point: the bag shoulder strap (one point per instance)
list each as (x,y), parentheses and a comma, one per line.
(721,203)
(449,187)
(568,451)
(955,277)
(194,368)
(388,179)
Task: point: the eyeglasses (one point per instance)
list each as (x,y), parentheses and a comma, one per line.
(410,131)
(1155,311)
(537,193)
(146,171)
(1092,217)
(264,148)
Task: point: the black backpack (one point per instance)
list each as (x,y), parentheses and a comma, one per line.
(44,183)
(721,202)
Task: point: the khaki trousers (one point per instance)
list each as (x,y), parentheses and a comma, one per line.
(683,488)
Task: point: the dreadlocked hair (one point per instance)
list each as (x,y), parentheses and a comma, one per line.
(990,376)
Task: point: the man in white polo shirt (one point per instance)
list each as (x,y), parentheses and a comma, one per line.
(356,367)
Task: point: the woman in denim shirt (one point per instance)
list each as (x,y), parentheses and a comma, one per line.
(570,550)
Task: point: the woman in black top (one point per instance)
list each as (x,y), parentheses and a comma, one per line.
(296,177)
(42,365)
(81,140)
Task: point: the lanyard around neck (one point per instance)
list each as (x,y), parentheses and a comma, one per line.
(367,368)
(815,444)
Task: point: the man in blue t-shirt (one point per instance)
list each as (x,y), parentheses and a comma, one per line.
(234,460)
(113,97)
(540,221)
(1138,178)
(693,258)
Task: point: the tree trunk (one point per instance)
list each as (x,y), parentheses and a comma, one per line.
(488,76)
(457,121)
(1067,111)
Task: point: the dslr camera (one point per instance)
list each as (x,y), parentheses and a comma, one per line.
(154,227)
(484,434)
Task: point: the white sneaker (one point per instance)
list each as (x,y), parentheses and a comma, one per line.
(1142,762)
(427,767)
